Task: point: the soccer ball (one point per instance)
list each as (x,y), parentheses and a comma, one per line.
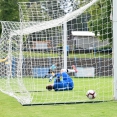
(91,94)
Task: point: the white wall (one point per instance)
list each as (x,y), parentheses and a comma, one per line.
(88,42)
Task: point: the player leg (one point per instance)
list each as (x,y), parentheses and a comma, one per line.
(60,86)
(74,68)
(70,70)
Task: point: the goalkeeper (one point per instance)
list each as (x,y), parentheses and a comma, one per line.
(66,83)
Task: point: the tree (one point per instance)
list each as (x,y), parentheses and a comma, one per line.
(100,22)
(9,10)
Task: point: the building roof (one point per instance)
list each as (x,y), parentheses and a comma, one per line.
(82,33)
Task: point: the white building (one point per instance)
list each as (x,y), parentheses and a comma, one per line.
(87,40)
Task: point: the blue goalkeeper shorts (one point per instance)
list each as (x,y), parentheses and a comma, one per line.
(65,84)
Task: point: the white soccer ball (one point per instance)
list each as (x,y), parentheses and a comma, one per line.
(91,94)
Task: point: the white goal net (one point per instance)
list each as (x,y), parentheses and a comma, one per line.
(54,35)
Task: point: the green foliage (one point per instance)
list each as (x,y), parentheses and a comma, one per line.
(9,10)
(38,13)
(100,22)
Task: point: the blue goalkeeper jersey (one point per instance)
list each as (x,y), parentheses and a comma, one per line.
(65,84)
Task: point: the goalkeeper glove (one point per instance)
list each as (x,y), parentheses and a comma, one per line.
(50,79)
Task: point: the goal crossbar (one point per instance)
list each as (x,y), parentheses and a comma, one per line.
(39,26)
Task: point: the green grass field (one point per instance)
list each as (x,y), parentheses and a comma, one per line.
(37,54)
(9,107)
(36,86)
(71,55)
(102,86)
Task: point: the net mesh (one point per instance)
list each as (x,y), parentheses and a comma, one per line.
(36,43)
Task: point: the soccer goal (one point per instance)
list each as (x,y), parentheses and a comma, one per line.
(54,35)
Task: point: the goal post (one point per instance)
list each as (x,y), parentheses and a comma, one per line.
(114,19)
(60,34)
(65,44)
